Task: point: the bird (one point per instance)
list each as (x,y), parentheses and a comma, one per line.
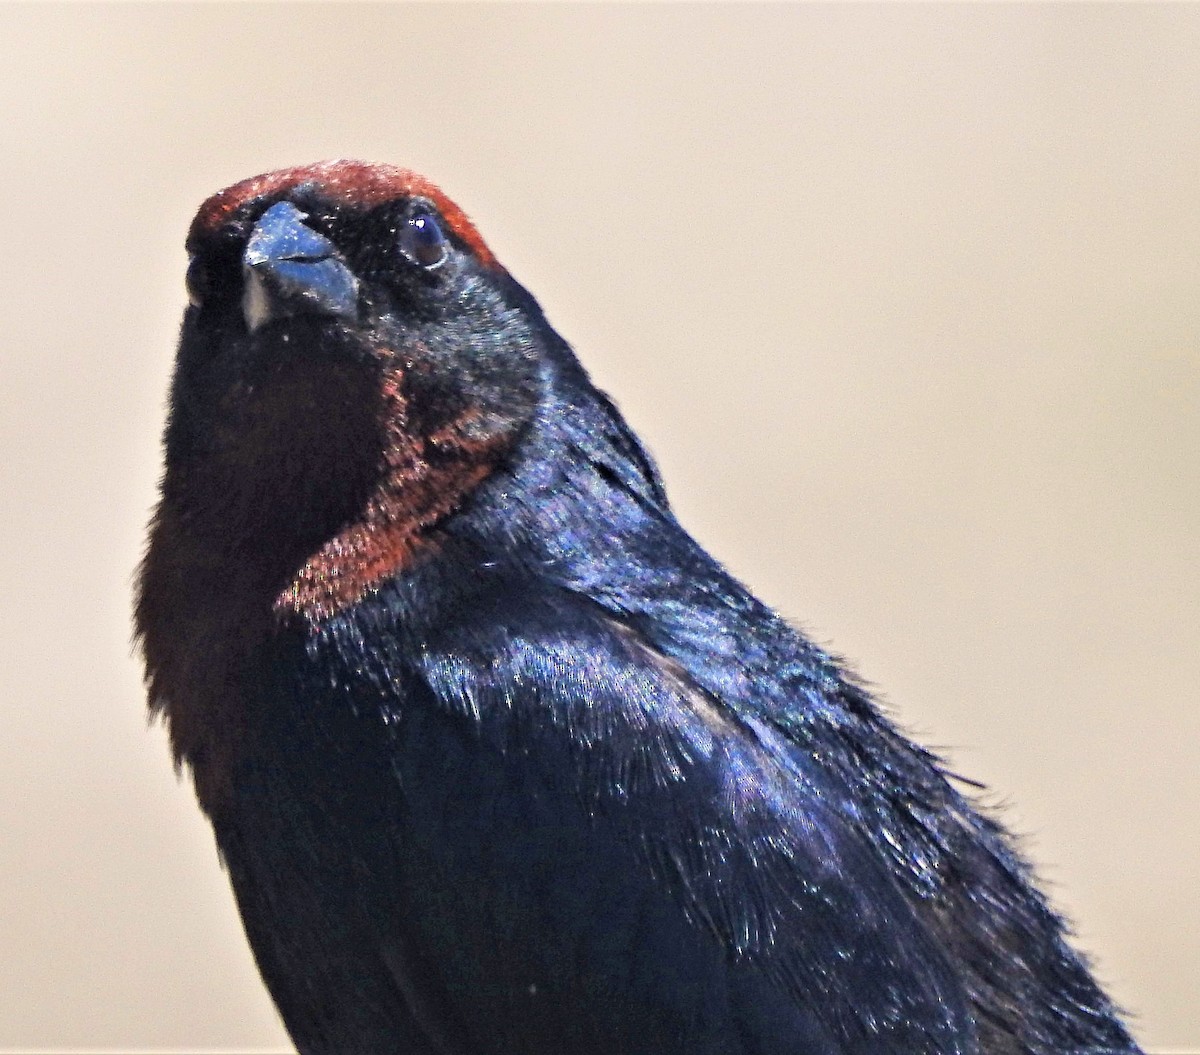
(499,760)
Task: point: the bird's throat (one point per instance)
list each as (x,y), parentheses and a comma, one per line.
(425,478)
(238,558)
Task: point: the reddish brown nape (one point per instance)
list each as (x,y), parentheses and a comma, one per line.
(350,182)
(417,491)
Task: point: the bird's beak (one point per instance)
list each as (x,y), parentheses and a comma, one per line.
(289,269)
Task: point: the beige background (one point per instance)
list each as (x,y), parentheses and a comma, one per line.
(906,300)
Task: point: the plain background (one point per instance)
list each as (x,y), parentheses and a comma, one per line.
(905,299)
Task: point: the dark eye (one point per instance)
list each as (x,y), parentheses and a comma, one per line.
(197,281)
(423,242)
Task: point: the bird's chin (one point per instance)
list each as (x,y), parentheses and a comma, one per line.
(305,338)
(296,446)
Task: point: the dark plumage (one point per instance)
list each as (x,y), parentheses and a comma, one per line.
(499,760)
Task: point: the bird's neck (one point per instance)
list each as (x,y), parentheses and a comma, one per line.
(287,525)
(424,479)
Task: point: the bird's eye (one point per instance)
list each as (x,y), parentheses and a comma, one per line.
(196,281)
(423,242)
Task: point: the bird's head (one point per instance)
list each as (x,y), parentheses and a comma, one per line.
(353,364)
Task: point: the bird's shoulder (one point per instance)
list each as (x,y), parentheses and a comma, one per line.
(751,839)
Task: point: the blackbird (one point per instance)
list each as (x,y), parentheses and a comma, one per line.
(499,760)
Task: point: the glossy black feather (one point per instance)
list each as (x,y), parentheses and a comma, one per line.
(562,785)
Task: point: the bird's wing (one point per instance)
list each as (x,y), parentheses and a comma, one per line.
(715,812)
